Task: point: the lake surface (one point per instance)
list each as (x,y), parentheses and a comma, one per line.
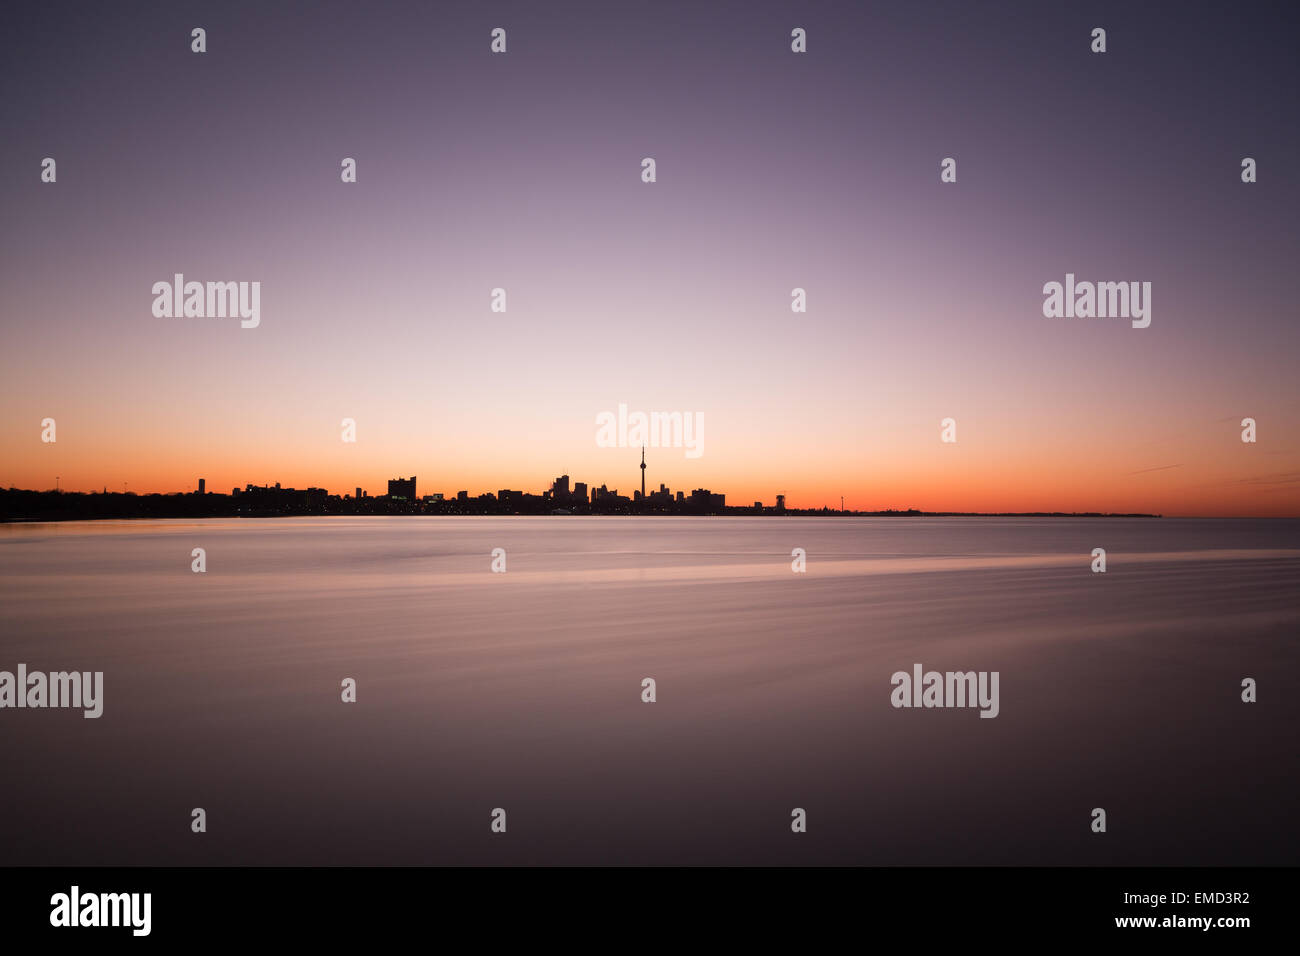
(478,690)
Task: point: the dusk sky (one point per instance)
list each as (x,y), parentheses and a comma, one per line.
(775,170)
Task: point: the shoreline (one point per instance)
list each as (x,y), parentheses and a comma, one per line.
(739,513)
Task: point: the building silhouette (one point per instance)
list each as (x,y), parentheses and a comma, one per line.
(403,488)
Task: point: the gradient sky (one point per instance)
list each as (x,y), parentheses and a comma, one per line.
(775,170)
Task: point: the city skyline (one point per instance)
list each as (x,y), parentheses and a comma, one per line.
(776,171)
(406,489)
(867,501)
(563,495)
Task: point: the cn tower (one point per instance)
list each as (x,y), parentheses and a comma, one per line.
(643,471)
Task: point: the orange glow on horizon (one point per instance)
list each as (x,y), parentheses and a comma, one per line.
(967,482)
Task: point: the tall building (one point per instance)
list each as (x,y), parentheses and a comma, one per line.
(203,486)
(560,487)
(780,502)
(643,471)
(358,491)
(402,488)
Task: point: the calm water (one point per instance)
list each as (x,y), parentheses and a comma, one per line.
(523,691)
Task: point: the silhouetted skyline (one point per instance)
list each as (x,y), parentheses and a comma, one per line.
(775,171)
(403,498)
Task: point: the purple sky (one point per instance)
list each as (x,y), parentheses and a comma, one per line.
(775,170)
